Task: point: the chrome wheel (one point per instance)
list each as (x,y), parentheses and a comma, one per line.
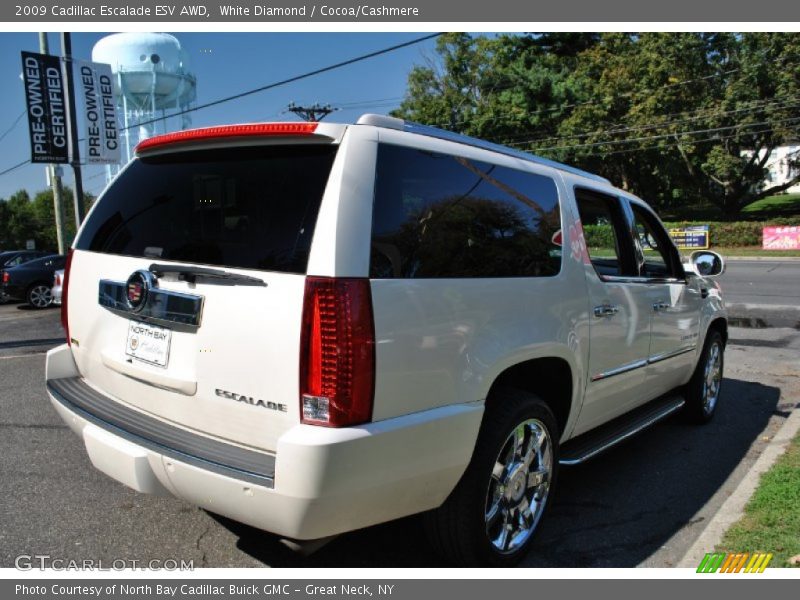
(712,378)
(519,486)
(40,296)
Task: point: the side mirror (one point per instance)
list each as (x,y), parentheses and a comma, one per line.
(707,264)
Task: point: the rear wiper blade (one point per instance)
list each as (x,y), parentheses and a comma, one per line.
(192,274)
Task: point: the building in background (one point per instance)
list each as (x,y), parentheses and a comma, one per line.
(783,165)
(152,80)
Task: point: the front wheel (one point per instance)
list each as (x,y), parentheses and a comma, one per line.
(39,295)
(494,512)
(703,389)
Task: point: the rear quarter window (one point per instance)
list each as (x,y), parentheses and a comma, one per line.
(443,216)
(251,207)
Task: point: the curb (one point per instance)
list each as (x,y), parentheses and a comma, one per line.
(733,508)
(760,258)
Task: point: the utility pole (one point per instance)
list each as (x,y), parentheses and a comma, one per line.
(66,53)
(53,175)
(311,113)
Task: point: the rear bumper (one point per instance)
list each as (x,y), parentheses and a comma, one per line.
(320,481)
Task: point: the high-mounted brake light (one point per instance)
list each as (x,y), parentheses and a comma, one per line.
(227,131)
(65,296)
(337,352)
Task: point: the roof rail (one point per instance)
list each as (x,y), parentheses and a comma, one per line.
(442,134)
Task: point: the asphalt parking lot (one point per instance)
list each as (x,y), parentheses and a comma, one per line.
(641,504)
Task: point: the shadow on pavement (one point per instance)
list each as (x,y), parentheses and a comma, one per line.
(26,306)
(614,511)
(27,343)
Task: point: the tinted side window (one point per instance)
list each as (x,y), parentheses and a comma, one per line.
(251,207)
(656,258)
(437,215)
(604,230)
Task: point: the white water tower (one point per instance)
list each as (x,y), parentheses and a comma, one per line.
(151,77)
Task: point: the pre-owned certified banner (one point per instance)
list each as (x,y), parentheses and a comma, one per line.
(47,116)
(94,90)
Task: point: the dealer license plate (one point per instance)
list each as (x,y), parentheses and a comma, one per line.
(149,343)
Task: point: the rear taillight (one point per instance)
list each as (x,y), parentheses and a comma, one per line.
(65,296)
(6,276)
(57,280)
(337,352)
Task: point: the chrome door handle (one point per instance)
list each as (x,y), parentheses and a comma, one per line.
(660,306)
(606,310)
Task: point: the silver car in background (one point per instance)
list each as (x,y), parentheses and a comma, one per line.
(58,279)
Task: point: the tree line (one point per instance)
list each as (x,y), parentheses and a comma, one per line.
(23,219)
(679,119)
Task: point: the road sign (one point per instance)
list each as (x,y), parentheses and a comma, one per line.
(694,237)
(47,113)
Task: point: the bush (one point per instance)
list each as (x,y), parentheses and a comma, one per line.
(599,236)
(728,234)
(734,234)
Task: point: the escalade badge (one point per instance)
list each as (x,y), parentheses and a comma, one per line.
(250,400)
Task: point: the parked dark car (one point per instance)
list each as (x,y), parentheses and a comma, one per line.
(31,281)
(13,258)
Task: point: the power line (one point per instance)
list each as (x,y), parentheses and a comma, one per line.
(315,113)
(494,88)
(13,125)
(702,113)
(282,82)
(590,102)
(273,85)
(662,136)
(676,144)
(354,103)
(17,166)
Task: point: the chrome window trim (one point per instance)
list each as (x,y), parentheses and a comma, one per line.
(163,307)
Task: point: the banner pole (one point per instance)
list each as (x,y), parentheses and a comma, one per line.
(54,177)
(66,53)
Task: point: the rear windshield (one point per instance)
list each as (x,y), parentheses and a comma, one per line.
(252,207)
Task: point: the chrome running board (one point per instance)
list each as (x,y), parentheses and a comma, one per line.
(592,443)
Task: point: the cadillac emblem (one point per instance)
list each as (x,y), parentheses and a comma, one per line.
(136,289)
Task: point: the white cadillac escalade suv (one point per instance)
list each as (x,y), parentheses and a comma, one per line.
(313,328)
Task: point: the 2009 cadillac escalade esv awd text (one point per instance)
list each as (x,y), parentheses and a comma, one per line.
(313,327)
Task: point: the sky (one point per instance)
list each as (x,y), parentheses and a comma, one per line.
(225,64)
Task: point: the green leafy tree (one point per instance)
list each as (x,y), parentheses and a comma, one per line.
(677,118)
(23,219)
(18,224)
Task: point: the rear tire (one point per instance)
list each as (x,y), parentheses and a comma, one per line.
(492,515)
(39,295)
(703,389)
